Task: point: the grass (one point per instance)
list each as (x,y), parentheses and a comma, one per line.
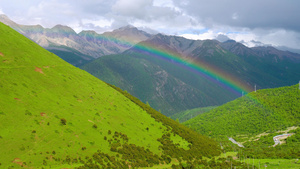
(275,163)
(270,163)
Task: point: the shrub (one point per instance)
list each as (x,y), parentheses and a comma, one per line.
(63,121)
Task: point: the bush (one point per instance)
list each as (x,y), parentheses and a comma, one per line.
(63,121)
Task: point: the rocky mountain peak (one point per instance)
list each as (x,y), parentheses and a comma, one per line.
(237,48)
(128,27)
(88,33)
(62,29)
(4,19)
(128,33)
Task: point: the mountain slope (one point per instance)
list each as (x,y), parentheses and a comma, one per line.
(257,112)
(55,115)
(148,81)
(269,67)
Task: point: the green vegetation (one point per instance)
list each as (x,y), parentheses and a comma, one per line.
(189,114)
(70,55)
(258,112)
(54,115)
(254,120)
(264,163)
(263,148)
(165,87)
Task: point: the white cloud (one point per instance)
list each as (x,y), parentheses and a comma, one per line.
(203,36)
(279,37)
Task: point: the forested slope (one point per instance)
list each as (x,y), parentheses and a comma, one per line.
(257,112)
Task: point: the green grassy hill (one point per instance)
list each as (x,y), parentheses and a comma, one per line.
(55,115)
(254,120)
(257,112)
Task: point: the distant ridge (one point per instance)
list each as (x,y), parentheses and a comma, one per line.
(65,37)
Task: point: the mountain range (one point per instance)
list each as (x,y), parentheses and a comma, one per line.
(85,46)
(138,63)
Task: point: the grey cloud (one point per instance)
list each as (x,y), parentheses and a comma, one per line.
(132,8)
(244,13)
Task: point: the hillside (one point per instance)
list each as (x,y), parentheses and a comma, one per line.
(262,111)
(57,116)
(254,120)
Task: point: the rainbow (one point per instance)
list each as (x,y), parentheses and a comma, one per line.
(205,70)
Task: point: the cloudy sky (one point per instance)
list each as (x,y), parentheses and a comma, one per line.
(252,22)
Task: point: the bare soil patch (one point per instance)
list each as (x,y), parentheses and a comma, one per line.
(18,161)
(1,54)
(288,129)
(37,69)
(43,114)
